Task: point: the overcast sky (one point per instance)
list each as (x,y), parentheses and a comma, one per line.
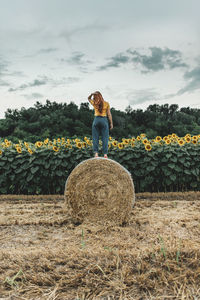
(135,52)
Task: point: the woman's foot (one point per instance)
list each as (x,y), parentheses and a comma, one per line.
(105,156)
(96,155)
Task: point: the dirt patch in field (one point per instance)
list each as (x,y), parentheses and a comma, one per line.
(43,255)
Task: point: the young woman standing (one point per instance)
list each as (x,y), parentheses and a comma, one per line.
(100,125)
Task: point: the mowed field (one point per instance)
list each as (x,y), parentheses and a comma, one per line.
(43,255)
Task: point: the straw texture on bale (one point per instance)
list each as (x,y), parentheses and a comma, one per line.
(100,190)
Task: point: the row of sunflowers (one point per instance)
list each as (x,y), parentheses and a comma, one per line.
(169,163)
(62,143)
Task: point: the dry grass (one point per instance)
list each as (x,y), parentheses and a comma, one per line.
(43,255)
(100,190)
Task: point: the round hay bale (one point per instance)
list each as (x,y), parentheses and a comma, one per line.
(99,190)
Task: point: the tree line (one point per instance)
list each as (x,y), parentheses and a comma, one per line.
(53,120)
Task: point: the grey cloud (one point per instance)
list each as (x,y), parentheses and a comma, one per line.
(77,58)
(115,62)
(142,96)
(4,83)
(3,67)
(44,80)
(4,70)
(33,96)
(41,51)
(72,79)
(48,50)
(158,59)
(63,81)
(15,74)
(36,82)
(193,77)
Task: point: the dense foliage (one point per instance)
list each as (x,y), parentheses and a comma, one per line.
(53,120)
(161,164)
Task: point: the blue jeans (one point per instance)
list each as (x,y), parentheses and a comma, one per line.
(100,127)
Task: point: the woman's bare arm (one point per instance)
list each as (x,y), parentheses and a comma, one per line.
(90,97)
(110,118)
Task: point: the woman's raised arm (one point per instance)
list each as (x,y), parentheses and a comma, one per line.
(89,98)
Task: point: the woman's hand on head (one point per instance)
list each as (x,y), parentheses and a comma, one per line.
(89,97)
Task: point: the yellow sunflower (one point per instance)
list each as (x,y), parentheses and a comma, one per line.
(145,141)
(89,142)
(125,141)
(1,152)
(8,144)
(181,142)
(79,145)
(114,143)
(46,141)
(55,148)
(187,139)
(158,139)
(19,149)
(38,144)
(132,144)
(168,141)
(194,142)
(120,145)
(30,151)
(148,147)
(143,135)
(194,137)
(138,138)
(133,139)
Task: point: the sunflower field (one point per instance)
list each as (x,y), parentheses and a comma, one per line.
(162,164)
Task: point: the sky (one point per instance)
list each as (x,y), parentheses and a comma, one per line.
(135,52)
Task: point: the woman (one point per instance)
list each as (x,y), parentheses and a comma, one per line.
(100,124)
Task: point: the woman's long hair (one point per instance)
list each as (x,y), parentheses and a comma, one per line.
(98,101)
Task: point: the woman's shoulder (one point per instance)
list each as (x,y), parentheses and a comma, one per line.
(107,103)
